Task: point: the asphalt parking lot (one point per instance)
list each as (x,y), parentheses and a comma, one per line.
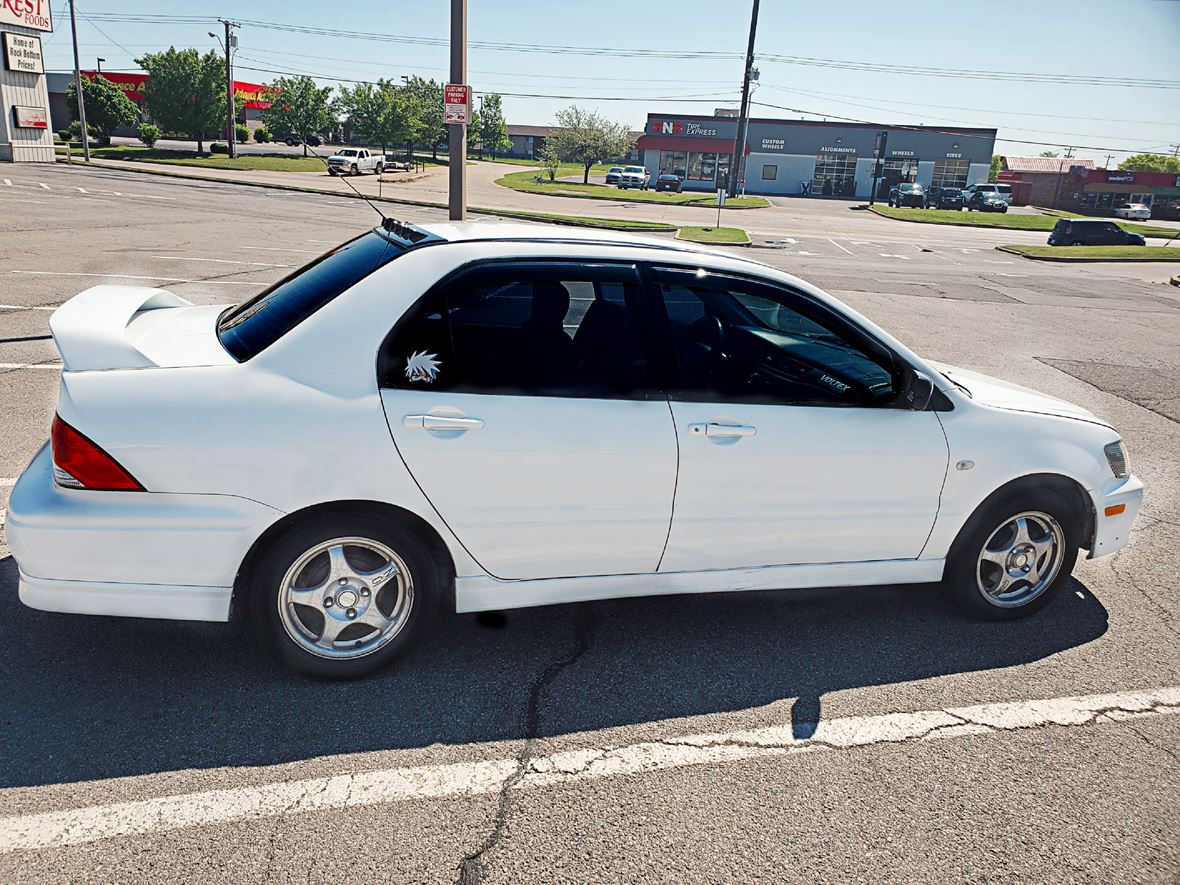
(836,735)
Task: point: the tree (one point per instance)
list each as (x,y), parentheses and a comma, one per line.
(550,162)
(429,96)
(1048,154)
(587,138)
(382,112)
(493,131)
(1137,163)
(298,107)
(994,172)
(185,92)
(107,107)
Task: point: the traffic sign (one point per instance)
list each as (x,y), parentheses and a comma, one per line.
(457,103)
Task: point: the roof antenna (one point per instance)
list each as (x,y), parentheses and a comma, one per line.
(384,219)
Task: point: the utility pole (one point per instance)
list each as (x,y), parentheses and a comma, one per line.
(1060,167)
(457,141)
(78,88)
(1109,157)
(1176,152)
(230,122)
(739,143)
(100,61)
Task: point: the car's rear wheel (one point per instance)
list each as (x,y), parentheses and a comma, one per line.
(1014,554)
(341,597)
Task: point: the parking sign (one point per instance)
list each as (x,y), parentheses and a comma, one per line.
(456,103)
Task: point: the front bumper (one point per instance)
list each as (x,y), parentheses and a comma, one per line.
(1112,533)
(136,554)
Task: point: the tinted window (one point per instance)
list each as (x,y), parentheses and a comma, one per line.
(754,343)
(256,324)
(535,329)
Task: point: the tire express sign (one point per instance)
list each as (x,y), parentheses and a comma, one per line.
(26,14)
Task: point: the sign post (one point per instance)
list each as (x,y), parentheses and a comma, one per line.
(456,114)
(878,158)
(720,203)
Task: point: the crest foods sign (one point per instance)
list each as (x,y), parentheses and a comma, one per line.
(26,14)
(671,127)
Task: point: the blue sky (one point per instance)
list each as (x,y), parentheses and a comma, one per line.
(1123,39)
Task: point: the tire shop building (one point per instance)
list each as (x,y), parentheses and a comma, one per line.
(813,158)
(24,100)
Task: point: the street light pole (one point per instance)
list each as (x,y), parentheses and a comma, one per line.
(457,141)
(739,143)
(231,129)
(100,61)
(78,87)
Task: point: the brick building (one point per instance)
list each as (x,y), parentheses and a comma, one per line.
(1036,181)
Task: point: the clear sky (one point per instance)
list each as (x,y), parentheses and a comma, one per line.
(704,42)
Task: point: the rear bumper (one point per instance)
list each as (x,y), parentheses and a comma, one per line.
(1112,533)
(138,554)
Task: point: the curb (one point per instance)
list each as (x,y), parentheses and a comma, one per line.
(1070,259)
(524,214)
(748,244)
(1027,230)
(623,199)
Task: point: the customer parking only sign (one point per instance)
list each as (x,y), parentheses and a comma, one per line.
(456,103)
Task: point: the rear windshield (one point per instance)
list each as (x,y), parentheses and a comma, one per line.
(255,325)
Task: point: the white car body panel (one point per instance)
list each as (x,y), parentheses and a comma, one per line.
(227,450)
(1137,212)
(811,485)
(548,486)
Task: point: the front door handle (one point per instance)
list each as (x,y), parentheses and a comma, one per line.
(441,422)
(713,430)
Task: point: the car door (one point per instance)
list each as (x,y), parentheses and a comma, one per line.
(794,443)
(516,395)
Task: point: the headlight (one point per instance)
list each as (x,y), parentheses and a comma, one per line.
(1116,457)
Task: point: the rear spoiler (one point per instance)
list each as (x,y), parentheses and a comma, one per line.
(90,330)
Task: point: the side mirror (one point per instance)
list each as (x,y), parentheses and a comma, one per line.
(919,392)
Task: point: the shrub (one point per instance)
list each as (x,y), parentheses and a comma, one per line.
(262,134)
(65,134)
(241,133)
(149,133)
(218,148)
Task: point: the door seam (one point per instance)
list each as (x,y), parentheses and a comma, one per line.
(675,483)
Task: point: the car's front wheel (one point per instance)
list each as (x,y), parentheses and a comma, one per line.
(341,597)
(1014,554)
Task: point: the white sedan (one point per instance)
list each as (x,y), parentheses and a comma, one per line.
(469,417)
(1133,211)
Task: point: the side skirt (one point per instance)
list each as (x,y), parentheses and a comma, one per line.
(474,594)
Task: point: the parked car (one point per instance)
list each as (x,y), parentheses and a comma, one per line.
(355,161)
(669,182)
(944,198)
(633,176)
(1133,211)
(612,174)
(982,201)
(310,141)
(907,194)
(487,416)
(988,187)
(1092,232)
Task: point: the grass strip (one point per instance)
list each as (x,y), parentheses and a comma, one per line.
(713,235)
(1004,221)
(526,182)
(1095,253)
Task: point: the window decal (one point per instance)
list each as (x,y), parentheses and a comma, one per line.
(422,366)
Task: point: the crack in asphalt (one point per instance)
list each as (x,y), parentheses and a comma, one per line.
(472,869)
(1165,615)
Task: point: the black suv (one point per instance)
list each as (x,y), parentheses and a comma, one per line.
(1092,232)
(907,195)
(944,198)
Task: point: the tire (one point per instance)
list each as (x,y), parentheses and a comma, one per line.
(1048,544)
(1075,243)
(393,593)
(354,170)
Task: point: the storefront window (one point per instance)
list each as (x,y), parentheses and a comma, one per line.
(835,175)
(950,173)
(674,163)
(769,172)
(702,167)
(1145,199)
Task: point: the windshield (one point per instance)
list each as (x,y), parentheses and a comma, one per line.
(348,152)
(254,325)
(911,188)
(638,169)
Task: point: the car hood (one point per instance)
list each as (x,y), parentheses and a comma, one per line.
(1003,395)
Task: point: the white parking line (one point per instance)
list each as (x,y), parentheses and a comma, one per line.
(892,255)
(6,483)
(218,261)
(123,276)
(39,202)
(32,307)
(276,249)
(81,825)
(54,366)
(8,181)
(830,240)
(41,183)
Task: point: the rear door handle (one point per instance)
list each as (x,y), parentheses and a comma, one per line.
(441,422)
(713,430)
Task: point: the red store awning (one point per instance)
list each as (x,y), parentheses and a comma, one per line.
(680,143)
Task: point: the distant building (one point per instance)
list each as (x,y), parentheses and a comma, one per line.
(1036,181)
(527,141)
(1076,186)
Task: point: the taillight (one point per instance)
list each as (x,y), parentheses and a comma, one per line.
(79,464)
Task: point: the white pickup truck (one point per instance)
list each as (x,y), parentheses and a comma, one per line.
(355,161)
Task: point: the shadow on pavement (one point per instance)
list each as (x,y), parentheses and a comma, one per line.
(87,698)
